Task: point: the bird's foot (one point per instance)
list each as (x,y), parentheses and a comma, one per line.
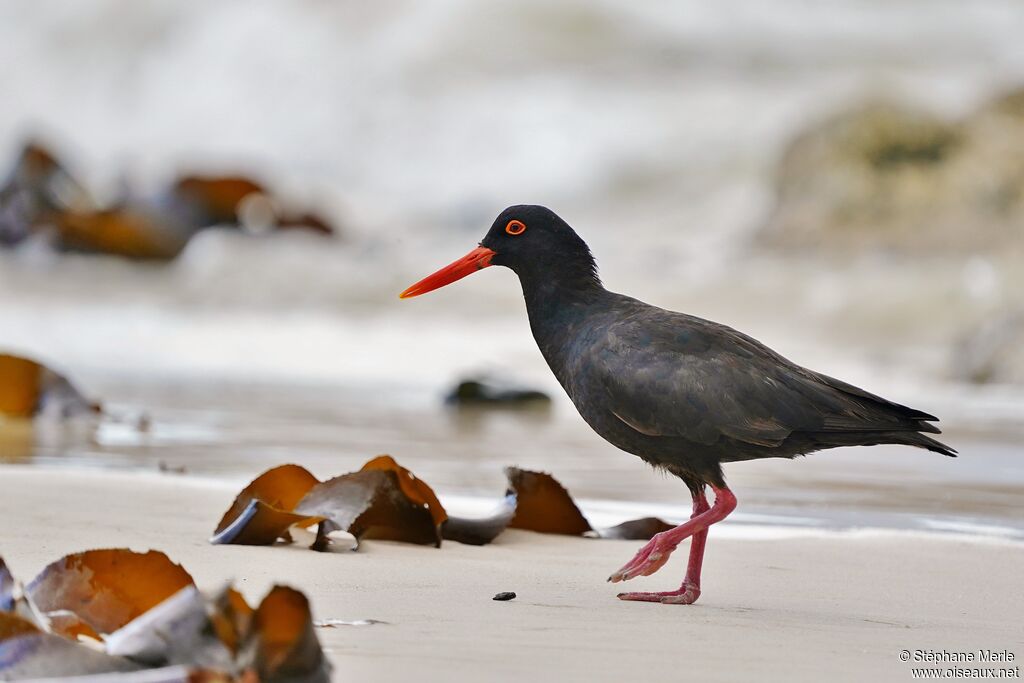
(686,595)
(648,559)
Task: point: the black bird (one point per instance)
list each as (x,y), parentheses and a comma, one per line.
(683,393)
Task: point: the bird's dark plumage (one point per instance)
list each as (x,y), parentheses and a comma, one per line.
(683,393)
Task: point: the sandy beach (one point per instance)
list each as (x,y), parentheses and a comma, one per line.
(835,605)
(209,212)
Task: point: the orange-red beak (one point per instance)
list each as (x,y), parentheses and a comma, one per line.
(468,264)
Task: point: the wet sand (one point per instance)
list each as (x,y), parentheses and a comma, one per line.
(835,605)
(233,431)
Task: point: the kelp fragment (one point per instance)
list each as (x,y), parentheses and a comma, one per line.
(283,645)
(7,585)
(121,231)
(481,530)
(39,196)
(263,511)
(536,501)
(305,220)
(215,200)
(12,626)
(20,386)
(231,618)
(28,652)
(178,630)
(68,624)
(222,200)
(185,637)
(36,186)
(13,600)
(372,504)
(28,389)
(415,489)
(105,589)
(544,505)
(384,500)
(634,530)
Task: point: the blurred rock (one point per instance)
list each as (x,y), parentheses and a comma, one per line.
(1009,104)
(994,353)
(481,391)
(890,177)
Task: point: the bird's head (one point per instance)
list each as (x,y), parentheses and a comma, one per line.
(531,240)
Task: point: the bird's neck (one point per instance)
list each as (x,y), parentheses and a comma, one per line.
(552,294)
(559,307)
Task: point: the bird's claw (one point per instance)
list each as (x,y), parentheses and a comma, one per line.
(686,595)
(648,560)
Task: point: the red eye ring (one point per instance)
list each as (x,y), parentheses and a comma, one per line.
(515,228)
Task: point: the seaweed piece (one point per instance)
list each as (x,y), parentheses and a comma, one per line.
(383,500)
(28,388)
(104,589)
(372,504)
(231,618)
(483,530)
(305,220)
(544,505)
(414,488)
(131,232)
(27,652)
(20,386)
(536,501)
(263,511)
(215,200)
(184,636)
(6,588)
(37,186)
(283,645)
(179,630)
(642,529)
(12,626)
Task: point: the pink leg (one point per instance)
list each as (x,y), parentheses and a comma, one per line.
(656,553)
(689,591)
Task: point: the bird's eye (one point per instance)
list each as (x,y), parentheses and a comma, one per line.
(515,228)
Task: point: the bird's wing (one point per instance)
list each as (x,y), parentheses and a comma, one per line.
(679,376)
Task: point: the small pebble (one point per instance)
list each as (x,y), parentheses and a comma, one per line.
(506,595)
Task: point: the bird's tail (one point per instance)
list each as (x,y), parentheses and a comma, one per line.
(883,421)
(874,438)
(924,441)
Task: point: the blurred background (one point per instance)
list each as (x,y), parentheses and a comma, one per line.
(208,209)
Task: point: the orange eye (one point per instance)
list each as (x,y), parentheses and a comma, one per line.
(515,228)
